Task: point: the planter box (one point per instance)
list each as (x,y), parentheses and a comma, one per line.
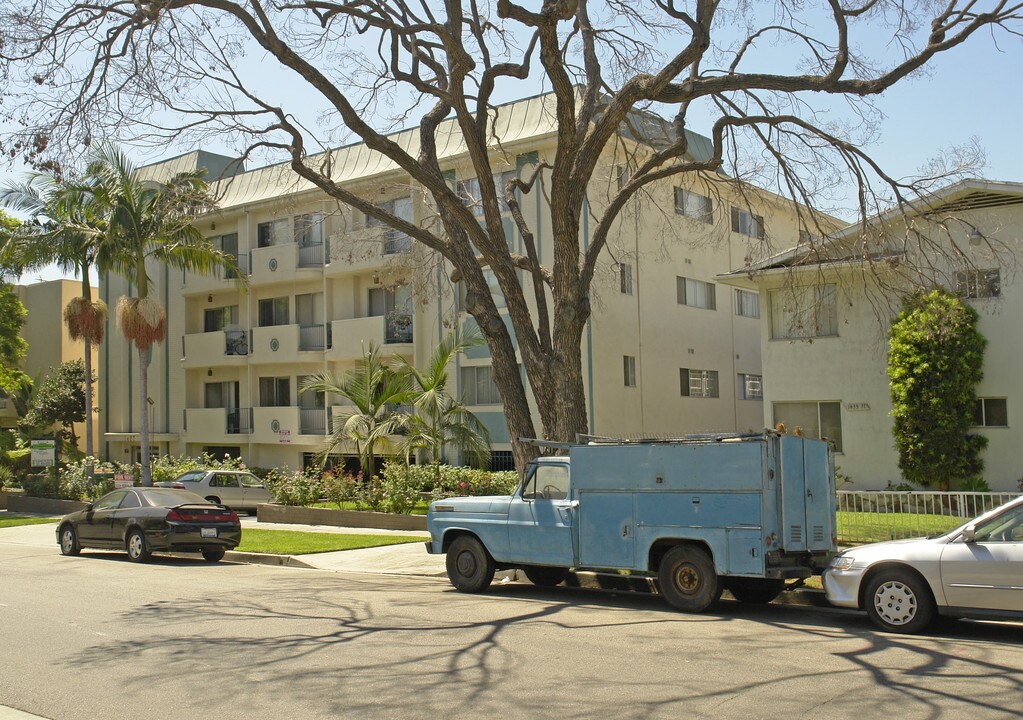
(42,506)
(339,518)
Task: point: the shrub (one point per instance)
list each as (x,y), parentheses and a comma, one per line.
(371,495)
(400,488)
(340,488)
(447,481)
(293,487)
(6,477)
(41,485)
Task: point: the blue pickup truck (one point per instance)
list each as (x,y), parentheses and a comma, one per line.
(700,513)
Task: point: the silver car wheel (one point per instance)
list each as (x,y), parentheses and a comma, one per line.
(135,546)
(895,602)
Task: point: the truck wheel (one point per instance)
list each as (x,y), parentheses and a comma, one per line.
(470,567)
(899,601)
(755,591)
(688,579)
(545,576)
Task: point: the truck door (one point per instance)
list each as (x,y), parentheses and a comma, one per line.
(820,496)
(540,518)
(793,494)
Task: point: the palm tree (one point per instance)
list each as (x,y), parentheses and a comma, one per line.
(149,221)
(441,419)
(66,227)
(374,390)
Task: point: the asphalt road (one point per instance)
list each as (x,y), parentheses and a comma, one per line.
(97,637)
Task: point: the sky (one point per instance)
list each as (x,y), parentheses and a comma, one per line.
(972,92)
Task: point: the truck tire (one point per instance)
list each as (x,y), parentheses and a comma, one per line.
(470,567)
(545,576)
(688,579)
(755,591)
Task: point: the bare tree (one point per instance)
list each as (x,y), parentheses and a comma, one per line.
(137,69)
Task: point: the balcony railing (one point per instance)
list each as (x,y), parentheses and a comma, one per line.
(239,421)
(395,242)
(313,255)
(242,261)
(236,342)
(314,337)
(398,330)
(312,421)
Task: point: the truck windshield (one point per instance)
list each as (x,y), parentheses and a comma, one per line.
(548,482)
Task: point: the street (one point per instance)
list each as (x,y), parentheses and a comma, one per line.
(98,637)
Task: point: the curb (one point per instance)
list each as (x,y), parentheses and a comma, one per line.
(266,559)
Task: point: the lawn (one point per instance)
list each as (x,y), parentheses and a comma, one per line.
(294,542)
(863,527)
(15,521)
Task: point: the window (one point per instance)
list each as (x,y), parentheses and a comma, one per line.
(131,500)
(274,392)
(273,311)
(221,394)
(746,223)
(978,283)
(699,383)
(991,412)
(625,270)
(472,197)
(622,175)
(309,229)
(747,304)
(629,367)
(696,293)
(273,233)
(1005,527)
(224,480)
(548,482)
(395,241)
(250,481)
(478,387)
(222,318)
(821,420)
(109,502)
(751,387)
(804,313)
(693,205)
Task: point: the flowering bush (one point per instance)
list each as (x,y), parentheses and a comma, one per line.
(340,488)
(442,481)
(294,487)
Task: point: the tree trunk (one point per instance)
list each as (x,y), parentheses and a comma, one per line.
(88,408)
(147,471)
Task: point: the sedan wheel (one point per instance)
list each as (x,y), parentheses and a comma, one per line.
(900,602)
(136,547)
(69,541)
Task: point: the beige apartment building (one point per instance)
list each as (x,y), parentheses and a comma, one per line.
(824,336)
(667,350)
(48,342)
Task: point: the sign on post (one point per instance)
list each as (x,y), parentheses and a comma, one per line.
(123,480)
(44,453)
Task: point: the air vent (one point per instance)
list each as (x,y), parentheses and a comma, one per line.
(818,533)
(796,533)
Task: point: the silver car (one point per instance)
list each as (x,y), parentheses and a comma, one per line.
(975,570)
(237,489)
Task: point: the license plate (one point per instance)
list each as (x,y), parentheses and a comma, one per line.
(209,532)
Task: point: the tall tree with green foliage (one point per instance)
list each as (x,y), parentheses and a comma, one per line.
(60,399)
(935,360)
(66,228)
(440,418)
(12,318)
(375,391)
(148,221)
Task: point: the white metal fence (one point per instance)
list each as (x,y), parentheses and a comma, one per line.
(888,515)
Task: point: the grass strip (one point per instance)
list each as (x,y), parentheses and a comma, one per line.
(420,509)
(15,521)
(867,527)
(296,542)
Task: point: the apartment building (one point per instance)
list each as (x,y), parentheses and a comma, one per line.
(48,342)
(826,318)
(667,350)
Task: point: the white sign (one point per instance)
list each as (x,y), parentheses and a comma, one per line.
(284,436)
(123,480)
(44,453)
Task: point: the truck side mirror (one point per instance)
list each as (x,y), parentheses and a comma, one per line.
(970,533)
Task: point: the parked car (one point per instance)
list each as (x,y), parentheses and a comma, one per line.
(975,570)
(141,520)
(238,489)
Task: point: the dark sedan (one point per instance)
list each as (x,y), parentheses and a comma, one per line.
(141,520)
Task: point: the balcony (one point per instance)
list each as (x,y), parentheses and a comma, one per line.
(284,263)
(275,344)
(368,249)
(275,425)
(351,338)
(313,255)
(208,423)
(312,421)
(314,337)
(220,280)
(212,349)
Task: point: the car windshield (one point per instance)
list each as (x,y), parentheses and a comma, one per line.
(161,497)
